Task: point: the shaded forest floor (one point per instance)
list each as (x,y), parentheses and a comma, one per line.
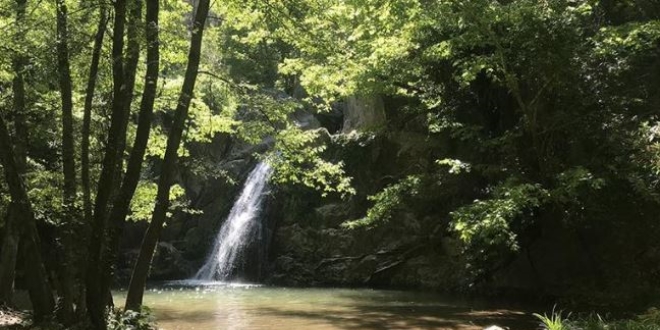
(12,319)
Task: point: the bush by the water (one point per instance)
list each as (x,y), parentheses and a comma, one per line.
(557,321)
(119,319)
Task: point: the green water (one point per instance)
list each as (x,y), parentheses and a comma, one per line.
(237,307)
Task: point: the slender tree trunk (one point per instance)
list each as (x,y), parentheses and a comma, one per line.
(87,112)
(141,270)
(35,272)
(96,300)
(18,86)
(68,155)
(122,201)
(131,59)
(11,237)
(86,132)
(65,268)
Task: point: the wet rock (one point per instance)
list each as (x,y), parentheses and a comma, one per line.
(194,242)
(332,213)
(494,327)
(168,263)
(289,271)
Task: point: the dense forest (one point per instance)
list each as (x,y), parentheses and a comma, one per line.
(490,148)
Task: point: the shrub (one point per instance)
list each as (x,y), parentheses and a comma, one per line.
(119,319)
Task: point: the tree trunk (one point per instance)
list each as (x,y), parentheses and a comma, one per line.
(122,202)
(87,112)
(130,66)
(131,59)
(68,155)
(141,270)
(11,237)
(8,258)
(96,301)
(37,279)
(86,131)
(66,265)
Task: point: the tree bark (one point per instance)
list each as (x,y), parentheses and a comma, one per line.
(65,268)
(68,155)
(131,59)
(8,258)
(122,201)
(11,236)
(35,271)
(96,300)
(87,111)
(81,307)
(141,270)
(130,66)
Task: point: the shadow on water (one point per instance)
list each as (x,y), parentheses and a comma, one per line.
(242,307)
(411,317)
(166,315)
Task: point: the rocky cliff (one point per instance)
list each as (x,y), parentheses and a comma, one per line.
(302,240)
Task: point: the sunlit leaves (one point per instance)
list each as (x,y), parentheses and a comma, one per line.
(173,33)
(455,166)
(630,37)
(488,222)
(344,46)
(204,124)
(387,202)
(142,204)
(297,158)
(620,46)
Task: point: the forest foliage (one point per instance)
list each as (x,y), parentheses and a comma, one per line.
(547,111)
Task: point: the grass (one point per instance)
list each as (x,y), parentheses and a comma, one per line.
(556,321)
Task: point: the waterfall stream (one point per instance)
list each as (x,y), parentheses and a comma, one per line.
(232,239)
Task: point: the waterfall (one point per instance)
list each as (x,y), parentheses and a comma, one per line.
(235,231)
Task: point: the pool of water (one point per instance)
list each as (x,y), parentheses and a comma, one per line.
(206,306)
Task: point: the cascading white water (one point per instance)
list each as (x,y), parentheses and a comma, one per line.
(233,235)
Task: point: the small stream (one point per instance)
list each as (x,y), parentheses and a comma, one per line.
(215,305)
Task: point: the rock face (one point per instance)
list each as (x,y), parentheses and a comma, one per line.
(302,241)
(311,247)
(363,113)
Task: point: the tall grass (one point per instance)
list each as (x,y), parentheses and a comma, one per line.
(554,322)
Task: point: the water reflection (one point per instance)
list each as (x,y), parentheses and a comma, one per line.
(240,307)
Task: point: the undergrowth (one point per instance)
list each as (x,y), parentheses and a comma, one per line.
(119,319)
(557,321)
